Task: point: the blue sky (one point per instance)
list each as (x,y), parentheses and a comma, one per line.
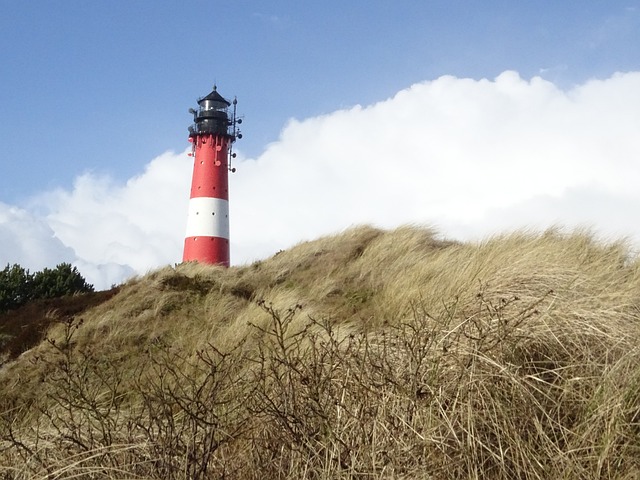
(103,88)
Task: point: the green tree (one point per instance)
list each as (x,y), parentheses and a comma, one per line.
(18,286)
(58,282)
(15,287)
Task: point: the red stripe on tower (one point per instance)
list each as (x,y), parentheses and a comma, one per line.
(211,136)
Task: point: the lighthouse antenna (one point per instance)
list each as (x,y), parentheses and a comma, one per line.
(235,133)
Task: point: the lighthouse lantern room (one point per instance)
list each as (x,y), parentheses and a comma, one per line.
(211,136)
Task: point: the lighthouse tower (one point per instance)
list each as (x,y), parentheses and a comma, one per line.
(211,136)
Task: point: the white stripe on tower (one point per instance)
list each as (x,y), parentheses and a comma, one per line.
(208,217)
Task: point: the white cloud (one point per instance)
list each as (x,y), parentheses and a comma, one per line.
(28,241)
(133,224)
(116,230)
(451,152)
(471,157)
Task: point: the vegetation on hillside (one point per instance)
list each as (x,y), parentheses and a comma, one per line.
(18,286)
(24,327)
(371,354)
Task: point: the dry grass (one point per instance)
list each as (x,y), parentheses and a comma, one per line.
(370,354)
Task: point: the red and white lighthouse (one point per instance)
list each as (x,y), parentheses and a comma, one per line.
(211,137)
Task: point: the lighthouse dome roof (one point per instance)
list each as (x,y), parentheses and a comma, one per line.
(215,98)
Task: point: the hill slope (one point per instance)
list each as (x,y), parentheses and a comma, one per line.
(26,326)
(370,354)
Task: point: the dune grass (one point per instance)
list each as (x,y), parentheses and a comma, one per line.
(369,354)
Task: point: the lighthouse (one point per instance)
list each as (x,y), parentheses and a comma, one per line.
(211,136)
